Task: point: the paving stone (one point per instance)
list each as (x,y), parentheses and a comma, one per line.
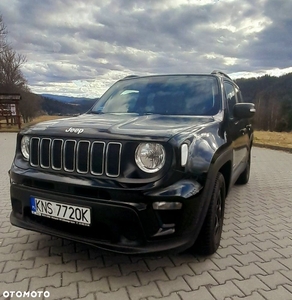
(224,275)
(203,279)
(287,262)
(99,273)
(246,248)
(202,293)
(76,256)
(249,270)
(269,254)
(50,243)
(38,282)
(268,244)
(133,267)
(94,286)
(69,277)
(69,291)
(121,294)
(90,296)
(28,246)
(28,273)
(200,267)
(16,256)
(280,294)
(160,262)
(14,241)
(48,260)
(14,265)
(168,287)
(229,250)
(248,258)
(175,272)
(274,280)
(31,254)
(183,258)
(228,261)
(110,260)
(64,267)
(137,293)
(253,296)
(285,252)
(228,289)
(225,242)
(15,286)
(149,276)
(250,285)
(123,281)
(8,277)
(89,263)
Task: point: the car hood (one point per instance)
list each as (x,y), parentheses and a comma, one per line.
(119,126)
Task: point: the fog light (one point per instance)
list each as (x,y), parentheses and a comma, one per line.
(167,205)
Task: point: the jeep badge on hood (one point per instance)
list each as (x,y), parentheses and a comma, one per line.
(74,130)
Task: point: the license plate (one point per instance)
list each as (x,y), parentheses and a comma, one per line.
(59,211)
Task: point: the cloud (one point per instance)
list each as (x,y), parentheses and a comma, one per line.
(82,47)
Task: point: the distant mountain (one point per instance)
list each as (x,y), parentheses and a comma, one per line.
(64,105)
(67,99)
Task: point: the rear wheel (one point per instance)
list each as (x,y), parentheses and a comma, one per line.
(210,235)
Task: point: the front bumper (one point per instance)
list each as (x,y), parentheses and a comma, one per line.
(125,223)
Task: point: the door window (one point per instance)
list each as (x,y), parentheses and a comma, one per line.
(230,96)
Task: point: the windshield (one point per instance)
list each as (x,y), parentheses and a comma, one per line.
(167,95)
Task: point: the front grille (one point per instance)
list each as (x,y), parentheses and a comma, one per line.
(82,157)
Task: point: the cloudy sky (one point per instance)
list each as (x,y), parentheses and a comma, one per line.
(81,47)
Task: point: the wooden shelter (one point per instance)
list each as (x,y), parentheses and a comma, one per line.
(9,109)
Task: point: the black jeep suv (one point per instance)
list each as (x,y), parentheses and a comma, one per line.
(147,169)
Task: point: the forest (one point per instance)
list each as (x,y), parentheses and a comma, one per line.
(272,97)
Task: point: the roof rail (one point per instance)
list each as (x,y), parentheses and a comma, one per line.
(221,73)
(130,76)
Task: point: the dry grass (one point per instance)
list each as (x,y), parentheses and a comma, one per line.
(275,139)
(5,128)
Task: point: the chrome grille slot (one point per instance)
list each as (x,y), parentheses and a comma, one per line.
(97,158)
(56,154)
(83,148)
(84,157)
(113,159)
(69,155)
(34,152)
(45,153)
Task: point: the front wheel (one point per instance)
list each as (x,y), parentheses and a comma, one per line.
(210,235)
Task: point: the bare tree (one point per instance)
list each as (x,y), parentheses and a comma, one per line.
(11,76)
(3,34)
(12,79)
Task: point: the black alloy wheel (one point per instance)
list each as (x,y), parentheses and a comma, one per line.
(210,235)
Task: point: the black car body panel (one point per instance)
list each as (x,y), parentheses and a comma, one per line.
(125,201)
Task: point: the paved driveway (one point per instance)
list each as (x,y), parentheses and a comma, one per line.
(253,262)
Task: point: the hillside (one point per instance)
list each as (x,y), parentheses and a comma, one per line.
(72,106)
(272,97)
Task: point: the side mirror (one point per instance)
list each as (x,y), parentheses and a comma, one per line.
(244,110)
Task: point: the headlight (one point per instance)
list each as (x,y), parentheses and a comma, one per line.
(24,146)
(150,157)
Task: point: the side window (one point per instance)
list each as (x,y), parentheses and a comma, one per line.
(238,94)
(230,96)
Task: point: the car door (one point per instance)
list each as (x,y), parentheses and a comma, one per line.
(237,131)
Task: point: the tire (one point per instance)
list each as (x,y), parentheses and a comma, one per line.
(210,235)
(244,176)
